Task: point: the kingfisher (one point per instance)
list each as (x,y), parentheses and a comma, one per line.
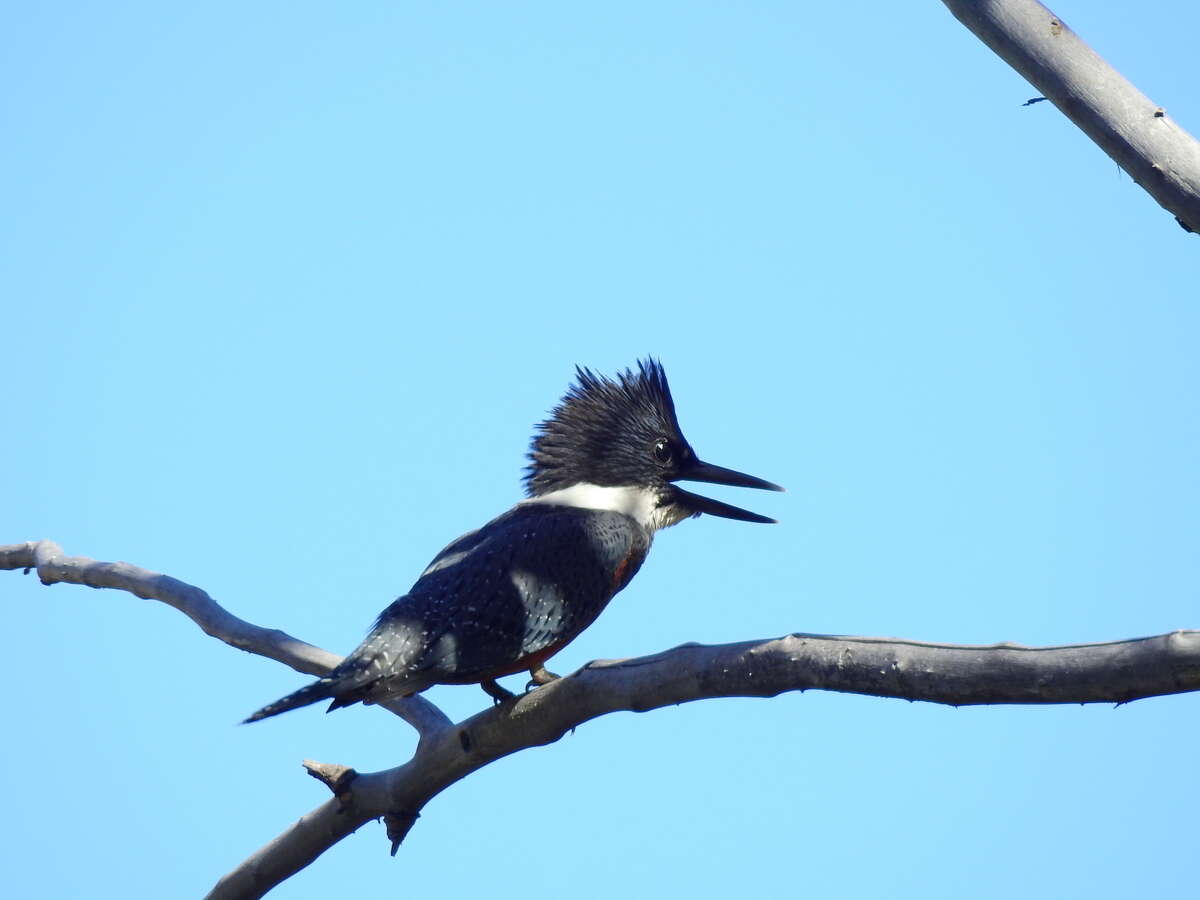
(505,598)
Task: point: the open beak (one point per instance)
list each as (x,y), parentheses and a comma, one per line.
(702,471)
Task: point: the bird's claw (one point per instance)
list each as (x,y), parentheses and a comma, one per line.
(496,692)
(539,677)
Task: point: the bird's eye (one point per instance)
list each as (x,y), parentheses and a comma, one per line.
(663,451)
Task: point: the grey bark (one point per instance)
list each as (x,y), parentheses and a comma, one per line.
(1139,135)
(1115,672)
(54,567)
(941,673)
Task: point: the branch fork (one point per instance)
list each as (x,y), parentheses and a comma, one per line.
(1114,672)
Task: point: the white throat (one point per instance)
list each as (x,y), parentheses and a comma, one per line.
(639,504)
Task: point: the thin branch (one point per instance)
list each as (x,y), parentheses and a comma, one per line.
(53,567)
(1138,134)
(1115,672)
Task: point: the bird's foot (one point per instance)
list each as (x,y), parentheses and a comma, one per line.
(540,676)
(493,689)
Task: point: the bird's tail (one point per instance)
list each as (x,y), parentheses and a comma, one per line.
(321,689)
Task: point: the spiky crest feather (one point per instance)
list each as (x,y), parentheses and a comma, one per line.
(601,427)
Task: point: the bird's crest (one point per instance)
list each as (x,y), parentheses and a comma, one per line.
(602,428)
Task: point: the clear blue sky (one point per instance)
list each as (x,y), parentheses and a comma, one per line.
(286,285)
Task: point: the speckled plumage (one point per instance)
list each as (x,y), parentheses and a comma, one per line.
(528,581)
(489,605)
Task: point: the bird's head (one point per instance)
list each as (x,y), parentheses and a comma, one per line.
(616,444)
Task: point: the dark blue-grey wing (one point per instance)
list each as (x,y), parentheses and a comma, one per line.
(537,577)
(526,583)
(402,634)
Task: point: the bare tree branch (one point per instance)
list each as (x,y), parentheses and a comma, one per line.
(940,673)
(1138,134)
(1115,672)
(53,567)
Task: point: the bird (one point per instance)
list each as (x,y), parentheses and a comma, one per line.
(508,596)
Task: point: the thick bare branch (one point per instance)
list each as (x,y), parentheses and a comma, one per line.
(1114,672)
(53,567)
(1139,135)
